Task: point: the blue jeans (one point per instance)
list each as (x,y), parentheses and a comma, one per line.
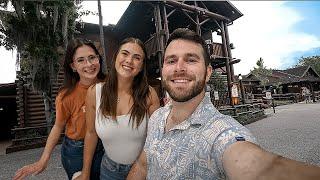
(72,157)
(111,170)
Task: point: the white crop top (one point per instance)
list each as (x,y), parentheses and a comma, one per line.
(122,142)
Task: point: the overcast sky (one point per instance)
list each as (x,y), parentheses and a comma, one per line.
(279,32)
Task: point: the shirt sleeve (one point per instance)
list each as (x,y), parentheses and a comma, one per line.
(62,109)
(231,134)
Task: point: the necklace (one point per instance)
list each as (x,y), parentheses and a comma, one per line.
(118,100)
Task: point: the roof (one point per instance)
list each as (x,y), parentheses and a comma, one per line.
(7,89)
(138,19)
(288,76)
(297,71)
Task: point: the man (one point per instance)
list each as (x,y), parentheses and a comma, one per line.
(190,139)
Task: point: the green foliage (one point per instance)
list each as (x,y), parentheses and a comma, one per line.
(36,29)
(313,61)
(217,82)
(261,72)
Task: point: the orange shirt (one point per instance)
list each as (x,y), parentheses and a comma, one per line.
(71,111)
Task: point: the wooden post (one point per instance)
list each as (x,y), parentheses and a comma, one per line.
(224,44)
(104,63)
(160,41)
(229,50)
(197,20)
(165,22)
(25,108)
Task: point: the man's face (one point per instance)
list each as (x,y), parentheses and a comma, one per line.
(184,74)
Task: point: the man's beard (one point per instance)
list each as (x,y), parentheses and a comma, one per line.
(186,94)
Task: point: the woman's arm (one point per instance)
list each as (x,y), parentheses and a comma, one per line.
(91,138)
(40,165)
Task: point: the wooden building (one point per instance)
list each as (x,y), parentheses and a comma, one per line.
(292,80)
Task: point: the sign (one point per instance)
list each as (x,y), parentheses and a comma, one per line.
(268,95)
(234,91)
(216,95)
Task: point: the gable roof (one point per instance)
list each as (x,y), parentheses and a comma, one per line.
(292,75)
(297,71)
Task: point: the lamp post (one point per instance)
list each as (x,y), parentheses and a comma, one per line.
(241,89)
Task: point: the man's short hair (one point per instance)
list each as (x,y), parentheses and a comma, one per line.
(187,34)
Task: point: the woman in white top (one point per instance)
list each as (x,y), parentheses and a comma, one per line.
(117,112)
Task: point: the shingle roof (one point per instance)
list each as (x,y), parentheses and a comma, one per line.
(297,71)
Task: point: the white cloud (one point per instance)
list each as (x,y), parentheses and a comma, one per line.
(266,30)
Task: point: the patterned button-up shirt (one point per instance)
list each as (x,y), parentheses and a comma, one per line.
(194,148)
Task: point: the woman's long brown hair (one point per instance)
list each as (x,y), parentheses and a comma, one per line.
(140,89)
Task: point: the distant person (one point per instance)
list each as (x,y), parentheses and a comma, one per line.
(81,70)
(190,139)
(118,112)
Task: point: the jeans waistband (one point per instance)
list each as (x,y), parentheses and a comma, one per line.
(115,164)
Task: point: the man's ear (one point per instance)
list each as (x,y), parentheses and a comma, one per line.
(209,72)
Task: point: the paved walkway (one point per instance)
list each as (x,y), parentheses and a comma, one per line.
(9,163)
(293,131)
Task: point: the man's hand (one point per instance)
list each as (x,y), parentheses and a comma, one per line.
(27,170)
(82,176)
(139,168)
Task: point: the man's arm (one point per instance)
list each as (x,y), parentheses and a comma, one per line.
(139,168)
(245,160)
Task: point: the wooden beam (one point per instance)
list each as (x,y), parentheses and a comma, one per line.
(197,9)
(8,97)
(169,14)
(189,17)
(204,21)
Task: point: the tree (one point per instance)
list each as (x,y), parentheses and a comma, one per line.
(261,72)
(36,29)
(313,61)
(104,67)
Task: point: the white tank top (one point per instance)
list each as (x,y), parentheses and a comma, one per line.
(122,142)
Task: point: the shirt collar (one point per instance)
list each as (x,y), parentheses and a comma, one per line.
(200,116)
(204,110)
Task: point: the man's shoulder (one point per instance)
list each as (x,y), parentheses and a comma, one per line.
(218,124)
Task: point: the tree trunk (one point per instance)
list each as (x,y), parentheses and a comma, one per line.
(47,110)
(65,16)
(104,65)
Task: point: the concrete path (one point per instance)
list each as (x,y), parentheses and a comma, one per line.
(9,163)
(293,132)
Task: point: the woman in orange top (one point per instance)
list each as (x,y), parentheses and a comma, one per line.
(81,70)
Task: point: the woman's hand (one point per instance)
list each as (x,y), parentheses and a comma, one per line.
(27,170)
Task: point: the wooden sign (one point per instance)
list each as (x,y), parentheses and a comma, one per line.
(216,95)
(234,91)
(268,95)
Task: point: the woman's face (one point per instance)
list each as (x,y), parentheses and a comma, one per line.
(129,61)
(86,63)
